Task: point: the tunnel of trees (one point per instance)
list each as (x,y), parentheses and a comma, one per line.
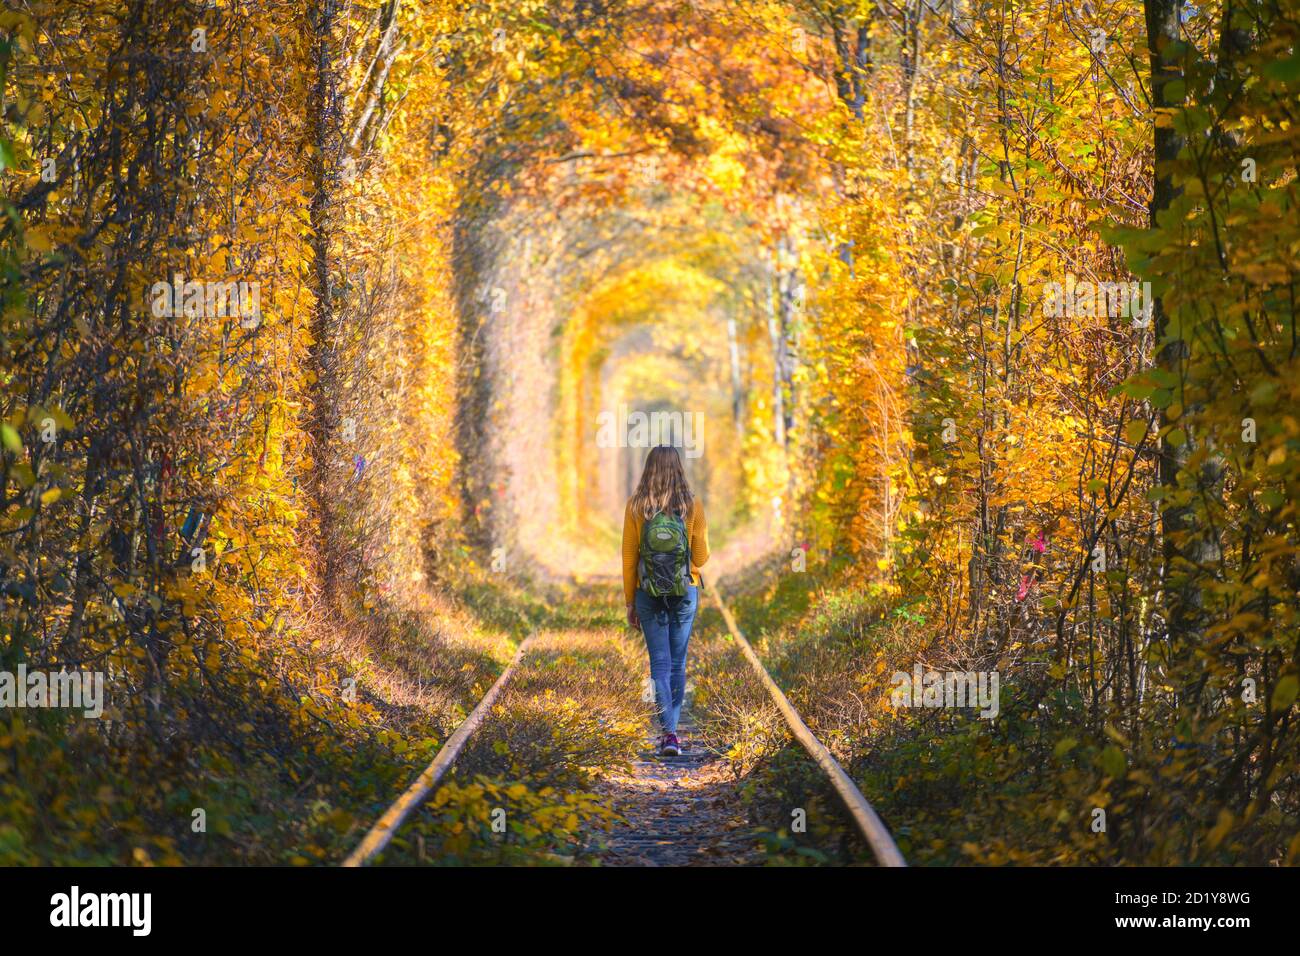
(313,313)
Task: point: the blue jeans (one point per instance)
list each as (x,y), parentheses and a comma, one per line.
(666,624)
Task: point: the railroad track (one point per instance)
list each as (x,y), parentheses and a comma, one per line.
(865,819)
(385,828)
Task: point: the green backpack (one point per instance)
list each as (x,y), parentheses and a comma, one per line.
(665,563)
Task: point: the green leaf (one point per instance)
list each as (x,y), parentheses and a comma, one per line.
(1191,120)
(1272,498)
(1112,762)
(9,436)
(1263,393)
(1286,71)
(1285,692)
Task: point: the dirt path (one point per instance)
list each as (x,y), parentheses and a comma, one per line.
(680,811)
(574,718)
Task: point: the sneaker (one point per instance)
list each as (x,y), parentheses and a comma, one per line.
(670,746)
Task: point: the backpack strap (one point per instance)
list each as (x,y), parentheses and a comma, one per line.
(686,533)
(686,527)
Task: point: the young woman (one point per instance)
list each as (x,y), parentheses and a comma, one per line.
(665,621)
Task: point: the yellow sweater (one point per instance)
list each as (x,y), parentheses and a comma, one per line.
(632,524)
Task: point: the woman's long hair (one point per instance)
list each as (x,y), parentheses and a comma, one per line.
(663,486)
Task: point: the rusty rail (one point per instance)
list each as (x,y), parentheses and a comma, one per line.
(867,820)
(383,831)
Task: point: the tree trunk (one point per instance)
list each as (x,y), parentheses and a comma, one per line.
(1185,549)
(324,130)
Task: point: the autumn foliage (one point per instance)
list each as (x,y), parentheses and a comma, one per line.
(308,310)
